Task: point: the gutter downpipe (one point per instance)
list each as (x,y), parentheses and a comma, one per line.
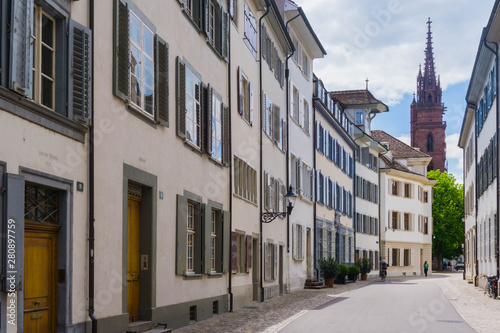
(268,5)
(315,180)
(354,219)
(496,166)
(287,101)
(230,278)
(91,234)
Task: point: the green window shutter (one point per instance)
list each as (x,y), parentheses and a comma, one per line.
(207,114)
(198,10)
(206,237)
(225,35)
(21,48)
(249,240)
(240,91)
(80,72)
(206,15)
(161,81)
(181,246)
(121,50)
(234,252)
(226,137)
(226,241)
(181,98)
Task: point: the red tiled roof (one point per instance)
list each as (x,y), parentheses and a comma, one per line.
(399,148)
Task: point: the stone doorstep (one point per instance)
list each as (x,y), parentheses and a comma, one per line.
(139,326)
(316,287)
(159,330)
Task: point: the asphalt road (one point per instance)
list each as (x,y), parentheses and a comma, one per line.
(396,305)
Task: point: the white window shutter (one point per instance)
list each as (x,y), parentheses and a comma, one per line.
(303,247)
(266,262)
(301,111)
(325,192)
(318,196)
(294,241)
(299,176)
(311,188)
(317,135)
(250,87)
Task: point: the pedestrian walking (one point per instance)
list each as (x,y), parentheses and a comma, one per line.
(426,268)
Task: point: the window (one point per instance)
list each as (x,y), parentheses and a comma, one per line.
(271,54)
(307,122)
(192,309)
(245,181)
(407,261)
(49,57)
(407,190)
(41,204)
(211,22)
(298,241)
(268,116)
(233,11)
(395,257)
(274,191)
(426,225)
(141,65)
(395,186)
(359,117)
(395,220)
(430,143)
(426,196)
(193,108)
(241,257)
(139,54)
(217,113)
(201,230)
(305,64)
(270,261)
(296,105)
(245,100)
(250,33)
(407,221)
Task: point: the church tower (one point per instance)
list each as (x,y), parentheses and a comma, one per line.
(427,125)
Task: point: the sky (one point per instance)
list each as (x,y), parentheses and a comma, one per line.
(384,41)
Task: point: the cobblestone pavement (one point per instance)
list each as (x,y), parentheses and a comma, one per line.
(478,310)
(272,314)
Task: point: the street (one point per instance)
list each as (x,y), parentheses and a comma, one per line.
(397,305)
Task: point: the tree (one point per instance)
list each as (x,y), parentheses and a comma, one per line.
(447,214)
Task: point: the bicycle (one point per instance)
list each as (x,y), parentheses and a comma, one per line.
(383,275)
(491,286)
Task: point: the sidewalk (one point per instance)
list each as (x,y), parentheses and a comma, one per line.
(478,310)
(272,314)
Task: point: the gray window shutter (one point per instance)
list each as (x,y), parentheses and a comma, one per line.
(284,133)
(121,50)
(249,240)
(206,236)
(234,252)
(161,76)
(250,96)
(267,192)
(264,42)
(226,240)
(231,8)
(225,35)
(21,48)
(80,72)
(282,74)
(226,138)
(13,228)
(181,98)
(180,264)
(266,262)
(276,123)
(275,261)
(206,12)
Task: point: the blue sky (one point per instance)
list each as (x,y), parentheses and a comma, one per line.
(384,41)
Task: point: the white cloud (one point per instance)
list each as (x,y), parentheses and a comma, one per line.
(405,138)
(385,40)
(454,155)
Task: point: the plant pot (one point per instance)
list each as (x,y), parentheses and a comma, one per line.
(353,278)
(363,277)
(329,282)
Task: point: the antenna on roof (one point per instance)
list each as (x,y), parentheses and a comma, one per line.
(367,83)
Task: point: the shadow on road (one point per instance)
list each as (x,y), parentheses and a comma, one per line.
(327,304)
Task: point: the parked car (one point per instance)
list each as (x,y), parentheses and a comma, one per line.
(459,266)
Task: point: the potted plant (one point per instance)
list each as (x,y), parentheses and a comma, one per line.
(365,267)
(330,269)
(353,273)
(341,278)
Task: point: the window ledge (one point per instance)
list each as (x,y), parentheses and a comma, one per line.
(193,147)
(192,276)
(215,275)
(31,111)
(136,111)
(245,199)
(215,161)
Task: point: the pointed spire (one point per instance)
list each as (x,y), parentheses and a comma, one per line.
(430,76)
(419,70)
(428,88)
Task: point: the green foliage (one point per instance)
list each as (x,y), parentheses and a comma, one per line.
(364,265)
(344,270)
(329,267)
(353,272)
(447,213)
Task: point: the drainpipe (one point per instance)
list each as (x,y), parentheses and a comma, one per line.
(495,52)
(92,316)
(230,288)
(261,125)
(287,108)
(313,106)
(476,199)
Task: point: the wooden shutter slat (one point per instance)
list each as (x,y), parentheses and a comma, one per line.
(240,91)
(225,34)
(161,81)
(249,240)
(181,240)
(226,150)
(21,49)
(206,237)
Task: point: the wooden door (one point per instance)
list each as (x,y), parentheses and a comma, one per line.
(40,284)
(133,259)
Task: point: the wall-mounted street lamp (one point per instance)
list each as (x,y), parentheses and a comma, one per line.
(290,198)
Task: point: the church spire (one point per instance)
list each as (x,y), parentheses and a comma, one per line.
(429,74)
(428,88)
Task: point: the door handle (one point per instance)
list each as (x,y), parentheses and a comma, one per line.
(36,302)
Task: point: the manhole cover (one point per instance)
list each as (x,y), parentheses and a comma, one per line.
(450,321)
